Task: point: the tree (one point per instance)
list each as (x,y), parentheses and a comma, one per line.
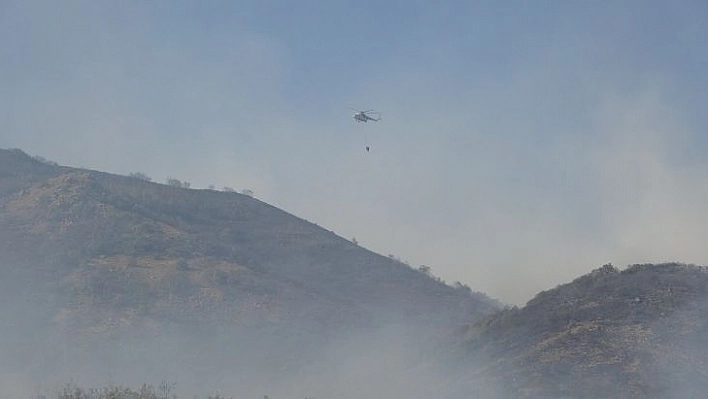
(44,160)
(425,270)
(177,183)
(140,175)
(166,389)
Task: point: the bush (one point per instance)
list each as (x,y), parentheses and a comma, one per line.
(140,176)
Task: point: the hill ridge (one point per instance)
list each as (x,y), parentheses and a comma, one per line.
(94,217)
(638,332)
(91,262)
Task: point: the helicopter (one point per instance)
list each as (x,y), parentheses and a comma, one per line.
(366,116)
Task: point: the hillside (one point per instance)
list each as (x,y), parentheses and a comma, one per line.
(106,277)
(87,256)
(636,333)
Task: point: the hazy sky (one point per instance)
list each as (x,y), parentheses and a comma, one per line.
(523,143)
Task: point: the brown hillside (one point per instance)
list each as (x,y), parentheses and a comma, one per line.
(638,333)
(124,252)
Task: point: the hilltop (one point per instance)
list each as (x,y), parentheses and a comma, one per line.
(111,277)
(201,248)
(636,333)
(88,256)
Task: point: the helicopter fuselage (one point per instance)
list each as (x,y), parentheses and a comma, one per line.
(362,117)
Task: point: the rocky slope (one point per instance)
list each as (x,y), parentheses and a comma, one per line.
(637,333)
(91,262)
(110,276)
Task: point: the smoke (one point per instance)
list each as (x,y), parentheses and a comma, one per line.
(43,352)
(393,361)
(510,156)
(683,372)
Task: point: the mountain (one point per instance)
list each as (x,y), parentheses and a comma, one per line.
(116,278)
(637,333)
(90,260)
